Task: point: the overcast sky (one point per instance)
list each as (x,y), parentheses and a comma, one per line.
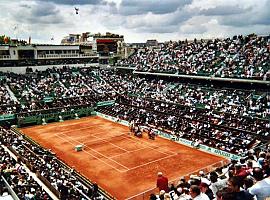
(137,20)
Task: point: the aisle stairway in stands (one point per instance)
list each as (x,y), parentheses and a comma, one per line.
(33,175)
(11,94)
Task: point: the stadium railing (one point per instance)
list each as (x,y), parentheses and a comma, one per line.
(10,190)
(37,117)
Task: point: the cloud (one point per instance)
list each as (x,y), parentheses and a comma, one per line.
(149,22)
(137,20)
(224,10)
(25,6)
(258,15)
(198,25)
(75,2)
(138,7)
(191,29)
(38,13)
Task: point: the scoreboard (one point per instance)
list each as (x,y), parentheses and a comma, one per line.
(106,45)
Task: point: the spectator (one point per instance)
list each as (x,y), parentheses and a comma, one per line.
(235,183)
(237,57)
(261,189)
(63,190)
(196,193)
(225,194)
(152,197)
(206,190)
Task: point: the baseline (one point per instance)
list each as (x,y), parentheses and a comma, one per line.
(121,171)
(99,153)
(128,152)
(148,144)
(110,143)
(128,169)
(77,129)
(153,161)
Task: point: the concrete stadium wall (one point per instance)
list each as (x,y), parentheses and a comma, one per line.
(22,70)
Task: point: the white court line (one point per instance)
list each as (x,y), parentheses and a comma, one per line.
(149,145)
(67,125)
(111,143)
(94,156)
(128,152)
(111,136)
(128,169)
(168,155)
(140,142)
(172,181)
(146,146)
(98,153)
(194,171)
(106,141)
(93,141)
(153,161)
(94,135)
(76,129)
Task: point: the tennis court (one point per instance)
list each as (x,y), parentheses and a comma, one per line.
(122,164)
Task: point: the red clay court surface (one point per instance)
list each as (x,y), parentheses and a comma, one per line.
(121,164)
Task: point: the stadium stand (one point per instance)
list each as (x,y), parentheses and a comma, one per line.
(241,57)
(234,119)
(63,181)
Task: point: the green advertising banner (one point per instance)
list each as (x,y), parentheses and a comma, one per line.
(178,140)
(7,117)
(105,103)
(3,77)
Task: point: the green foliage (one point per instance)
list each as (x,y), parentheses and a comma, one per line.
(4,39)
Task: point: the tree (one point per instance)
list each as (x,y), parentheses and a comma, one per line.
(4,39)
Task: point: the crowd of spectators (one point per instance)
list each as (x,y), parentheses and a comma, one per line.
(225,118)
(182,124)
(244,179)
(19,179)
(6,100)
(233,120)
(254,103)
(61,87)
(236,57)
(54,88)
(62,178)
